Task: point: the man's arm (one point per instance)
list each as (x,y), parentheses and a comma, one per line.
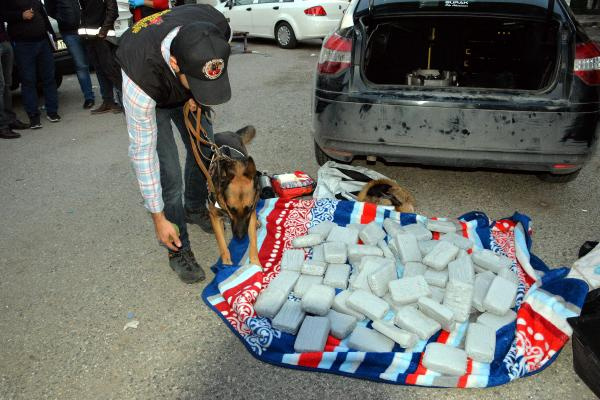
(10,12)
(112,13)
(140,111)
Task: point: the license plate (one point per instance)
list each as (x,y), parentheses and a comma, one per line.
(61,45)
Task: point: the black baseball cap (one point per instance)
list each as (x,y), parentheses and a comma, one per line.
(202,54)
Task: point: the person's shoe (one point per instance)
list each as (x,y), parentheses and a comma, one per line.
(88,104)
(34,122)
(199,218)
(185,266)
(106,106)
(18,125)
(7,133)
(53,117)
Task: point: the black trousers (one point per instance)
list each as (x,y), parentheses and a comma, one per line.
(101,55)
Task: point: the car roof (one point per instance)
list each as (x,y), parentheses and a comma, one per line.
(524,8)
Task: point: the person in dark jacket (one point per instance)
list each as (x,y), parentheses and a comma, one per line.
(98,31)
(32,35)
(8,119)
(68,15)
(144,8)
(175,56)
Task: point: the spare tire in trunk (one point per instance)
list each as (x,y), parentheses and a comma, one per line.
(482,52)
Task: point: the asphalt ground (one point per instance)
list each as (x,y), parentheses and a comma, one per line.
(78,255)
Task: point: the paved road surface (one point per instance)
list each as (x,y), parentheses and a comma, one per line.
(78,253)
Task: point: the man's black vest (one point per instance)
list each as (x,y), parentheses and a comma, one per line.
(140,56)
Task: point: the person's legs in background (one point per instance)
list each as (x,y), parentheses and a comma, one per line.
(97,53)
(45,67)
(82,68)
(6,113)
(25,56)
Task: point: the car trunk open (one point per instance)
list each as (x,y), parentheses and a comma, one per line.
(473,51)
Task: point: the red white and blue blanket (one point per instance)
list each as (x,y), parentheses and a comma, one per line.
(545,300)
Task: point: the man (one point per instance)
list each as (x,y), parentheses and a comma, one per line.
(172,57)
(68,15)
(31,33)
(144,8)
(8,119)
(97,28)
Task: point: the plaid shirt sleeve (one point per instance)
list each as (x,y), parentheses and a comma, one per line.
(140,111)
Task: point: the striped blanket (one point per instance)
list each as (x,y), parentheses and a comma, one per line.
(546,298)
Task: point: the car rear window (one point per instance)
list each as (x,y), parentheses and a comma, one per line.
(525,8)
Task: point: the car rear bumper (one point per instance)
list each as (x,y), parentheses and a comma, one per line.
(316,27)
(543,140)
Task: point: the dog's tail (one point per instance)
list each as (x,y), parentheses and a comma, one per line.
(247,133)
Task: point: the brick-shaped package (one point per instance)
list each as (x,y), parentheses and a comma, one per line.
(458,240)
(312,335)
(436,225)
(341,324)
(387,253)
(343,235)
(379,280)
(312,239)
(316,268)
(318,254)
(480,344)
(500,296)
(292,260)
(437,312)
(318,299)
(413,320)
(458,298)
(408,290)
(414,269)
(407,247)
(445,359)
(365,339)
(368,304)
(337,276)
(269,302)
(426,246)
(403,337)
(335,252)
(418,230)
(289,317)
(497,321)
(285,281)
(357,251)
(441,255)
(481,286)
(339,305)
(436,278)
(392,227)
(304,282)
(371,234)
(490,261)
(324,228)
(461,269)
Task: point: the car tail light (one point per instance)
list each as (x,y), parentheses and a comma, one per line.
(335,55)
(587,63)
(316,10)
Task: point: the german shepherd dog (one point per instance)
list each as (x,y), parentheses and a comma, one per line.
(236,184)
(389,193)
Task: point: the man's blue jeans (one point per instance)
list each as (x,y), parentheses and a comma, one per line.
(7,116)
(82,67)
(33,59)
(195,194)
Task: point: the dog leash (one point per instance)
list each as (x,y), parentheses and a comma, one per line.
(198,137)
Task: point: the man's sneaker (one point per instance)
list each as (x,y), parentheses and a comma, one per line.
(106,106)
(34,122)
(185,266)
(53,117)
(18,125)
(7,133)
(200,218)
(89,103)
(116,109)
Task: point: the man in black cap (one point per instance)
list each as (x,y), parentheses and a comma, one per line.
(167,59)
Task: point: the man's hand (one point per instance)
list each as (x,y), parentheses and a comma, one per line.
(165,231)
(28,14)
(193,105)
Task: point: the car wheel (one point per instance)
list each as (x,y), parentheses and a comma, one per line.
(321,156)
(559,178)
(284,34)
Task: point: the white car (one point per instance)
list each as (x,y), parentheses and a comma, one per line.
(286,21)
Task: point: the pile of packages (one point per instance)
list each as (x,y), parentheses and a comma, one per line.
(407,284)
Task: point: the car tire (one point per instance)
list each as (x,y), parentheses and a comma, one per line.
(321,156)
(285,36)
(559,178)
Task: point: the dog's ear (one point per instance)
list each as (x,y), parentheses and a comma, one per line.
(250,170)
(247,133)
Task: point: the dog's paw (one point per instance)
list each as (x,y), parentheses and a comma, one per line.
(227,261)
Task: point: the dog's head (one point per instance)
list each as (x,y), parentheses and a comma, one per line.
(239,189)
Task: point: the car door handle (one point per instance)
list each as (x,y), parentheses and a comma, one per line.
(276,8)
(249,9)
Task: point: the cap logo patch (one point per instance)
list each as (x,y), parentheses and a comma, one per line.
(213,69)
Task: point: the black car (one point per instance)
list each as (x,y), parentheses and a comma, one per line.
(496,84)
